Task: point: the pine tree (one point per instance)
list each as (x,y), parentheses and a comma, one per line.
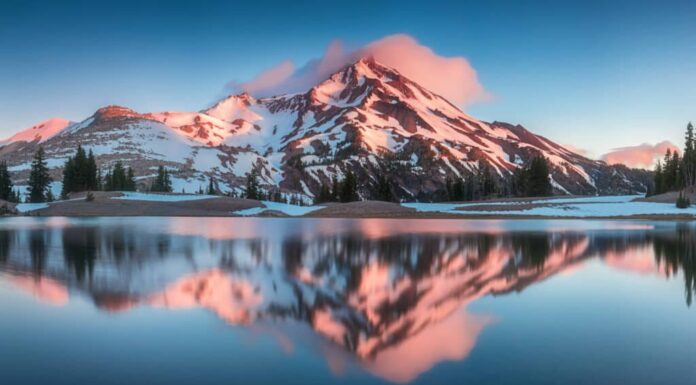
(162,182)
(335,189)
(211,187)
(689,157)
(158,183)
(167,181)
(277,196)
(324,195)
(676,169)
(520,182)
(486,183)
(119,178)
(658,182)
(456,189)
(539,183)
(130,180)
(668,177)
(6,187)
(108,184)
(79,173)
(672,173)
(39,178)
(118,175)
(449,183)
(384,189)
(252,186)
(68,177)
(349,188)
(469,188)
(92,172)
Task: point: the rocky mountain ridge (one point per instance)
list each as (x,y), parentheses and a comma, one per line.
(367,118)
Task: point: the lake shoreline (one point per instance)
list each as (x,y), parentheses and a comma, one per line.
(115,204)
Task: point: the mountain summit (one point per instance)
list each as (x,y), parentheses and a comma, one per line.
(367,118)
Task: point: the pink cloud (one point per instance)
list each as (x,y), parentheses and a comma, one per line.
(451,77)
(641,156)
(579,151)
(266,79)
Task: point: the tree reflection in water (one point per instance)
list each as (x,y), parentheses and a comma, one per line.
(378,296)
(678,251)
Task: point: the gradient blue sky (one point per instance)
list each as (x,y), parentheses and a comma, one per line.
(594,74)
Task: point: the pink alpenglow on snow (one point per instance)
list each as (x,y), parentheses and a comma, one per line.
(41,132)
(451,77)
(641,156)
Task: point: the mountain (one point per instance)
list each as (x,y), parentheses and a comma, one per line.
(367,118)
(40,132)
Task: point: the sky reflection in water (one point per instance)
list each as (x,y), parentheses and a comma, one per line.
(317,301)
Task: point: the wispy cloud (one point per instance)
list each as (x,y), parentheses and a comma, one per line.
(452,77)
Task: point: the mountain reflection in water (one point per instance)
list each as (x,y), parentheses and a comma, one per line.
(393,294)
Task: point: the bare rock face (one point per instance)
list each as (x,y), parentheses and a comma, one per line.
(366,118)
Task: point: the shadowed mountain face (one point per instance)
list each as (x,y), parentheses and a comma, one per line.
(367,118)
(376,290)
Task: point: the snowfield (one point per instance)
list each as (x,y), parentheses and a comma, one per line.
(152,197)
(287,209)
(26,207)
(598,207)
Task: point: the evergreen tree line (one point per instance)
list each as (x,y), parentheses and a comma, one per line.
(479,184)
(80,173)
(254,191)
(676,172)
(530,180)
(162,182)
(345,190)
(119,178)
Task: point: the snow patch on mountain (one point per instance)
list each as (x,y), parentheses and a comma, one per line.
(40,132)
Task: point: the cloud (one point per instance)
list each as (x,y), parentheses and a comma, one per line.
(641,156)
(579,151)
(451,77)
(266,79)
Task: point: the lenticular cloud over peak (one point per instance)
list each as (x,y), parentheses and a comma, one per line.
(452,77)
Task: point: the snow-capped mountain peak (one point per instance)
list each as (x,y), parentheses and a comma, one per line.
(365,117)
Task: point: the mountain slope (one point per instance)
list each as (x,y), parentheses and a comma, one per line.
(40,132)
(367,118)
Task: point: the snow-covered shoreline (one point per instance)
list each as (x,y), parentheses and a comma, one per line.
(285,208)
(152,197)
(138,203)
(591,207)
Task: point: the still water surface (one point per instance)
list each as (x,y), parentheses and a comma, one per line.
(330,301)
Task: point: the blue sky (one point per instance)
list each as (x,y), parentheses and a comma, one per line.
(596,75)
